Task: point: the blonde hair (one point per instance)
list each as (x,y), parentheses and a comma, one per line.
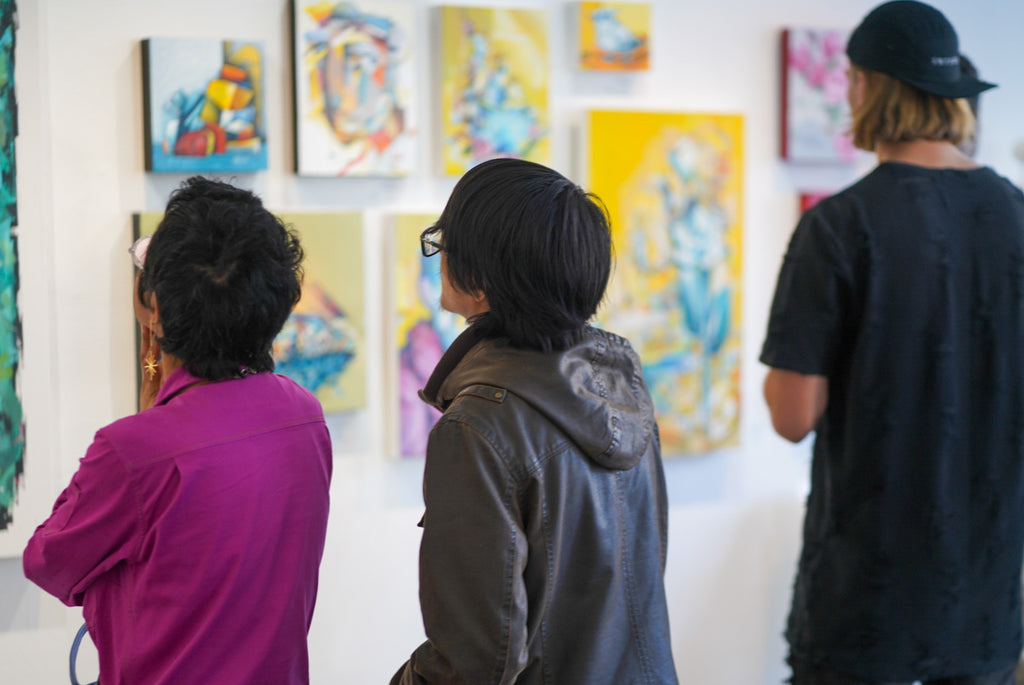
(892,111)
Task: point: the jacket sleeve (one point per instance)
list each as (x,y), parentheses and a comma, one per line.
(472,559)
(93,527)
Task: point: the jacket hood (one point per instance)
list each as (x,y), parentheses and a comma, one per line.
(593,392)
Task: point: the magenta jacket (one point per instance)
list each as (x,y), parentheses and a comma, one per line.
(192,534)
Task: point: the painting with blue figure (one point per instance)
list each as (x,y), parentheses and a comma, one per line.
(673,187)
(12,426)
(203,105)
(614,36)
(494,86)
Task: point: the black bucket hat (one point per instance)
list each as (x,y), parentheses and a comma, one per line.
(913,43)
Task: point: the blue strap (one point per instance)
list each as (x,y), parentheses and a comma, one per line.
(74,655)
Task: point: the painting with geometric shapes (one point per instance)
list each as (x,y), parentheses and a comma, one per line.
(423,331)
(614,36)
(673,186)
(494,86)
(203,105)
(322,344)
(355,88)
(12,424)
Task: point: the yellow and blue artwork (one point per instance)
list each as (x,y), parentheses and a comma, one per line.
(614,36)
(494,86)
(423,331)
(203,105)
(12,425)
(322,344)
(355,96)
(673,186)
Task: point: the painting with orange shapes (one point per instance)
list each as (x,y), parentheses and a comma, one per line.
(673,186)
(614,36)
(203,105)
(355,96)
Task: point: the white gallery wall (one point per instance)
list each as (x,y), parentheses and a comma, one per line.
(735,515)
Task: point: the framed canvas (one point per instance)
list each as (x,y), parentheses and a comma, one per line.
(14,528)
(355,88)
(423,331)
(673,186)
(203,105)
(614,36)
(815,113)
(494,86)
(322,344)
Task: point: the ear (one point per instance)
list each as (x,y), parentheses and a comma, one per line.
(154,321)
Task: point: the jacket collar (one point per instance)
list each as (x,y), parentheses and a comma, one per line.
(431,394)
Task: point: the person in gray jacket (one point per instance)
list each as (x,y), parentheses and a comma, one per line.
(544,537)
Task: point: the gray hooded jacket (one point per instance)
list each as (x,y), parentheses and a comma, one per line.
(544,536)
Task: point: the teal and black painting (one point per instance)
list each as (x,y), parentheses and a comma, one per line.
(12,428)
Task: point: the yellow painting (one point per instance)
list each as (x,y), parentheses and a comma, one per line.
(322,344)
(614,36)
(673,185)
(494,86)
(423,330)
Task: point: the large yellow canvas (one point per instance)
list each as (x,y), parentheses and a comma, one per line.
(423,331)
(322,345)
(614,36)
(673,185)
(494,86)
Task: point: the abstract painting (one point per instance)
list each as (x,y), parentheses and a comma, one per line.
(322,344)
(815,114)
(355,96)
(423,331)
(494,86)
(12,425)
(672,184)
(203,105)
(614,36)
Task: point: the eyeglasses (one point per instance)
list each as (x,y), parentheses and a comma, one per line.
(429,247)
(138,251)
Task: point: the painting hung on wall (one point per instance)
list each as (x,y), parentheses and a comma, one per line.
(494,86)
(203,105)
(355,99)
(12,425)
(815,114)
(423,331)
(614,36)
(673,188)
(321,345)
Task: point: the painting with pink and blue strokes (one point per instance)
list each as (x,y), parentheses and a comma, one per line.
(203,105)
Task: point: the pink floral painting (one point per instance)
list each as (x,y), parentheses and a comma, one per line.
(815,114)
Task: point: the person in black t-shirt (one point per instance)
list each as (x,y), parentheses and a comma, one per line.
(897,334)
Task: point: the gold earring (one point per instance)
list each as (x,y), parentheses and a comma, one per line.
(149,364)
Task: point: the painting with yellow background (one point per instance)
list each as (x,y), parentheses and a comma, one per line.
(614,36)
(494,86)
(673,186)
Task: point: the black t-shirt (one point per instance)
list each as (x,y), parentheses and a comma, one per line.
(906,291)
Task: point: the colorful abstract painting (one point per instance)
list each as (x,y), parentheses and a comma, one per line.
(614,36)
(815,113)
(355,97)
(423,331)
(673,185)
(494,86)
(12,425)
(203,105)
(322,344)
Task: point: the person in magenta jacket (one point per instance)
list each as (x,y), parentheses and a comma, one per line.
(192,531)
